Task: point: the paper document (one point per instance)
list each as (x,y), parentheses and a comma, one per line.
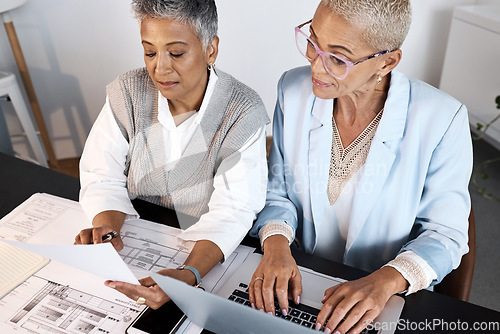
(150,247)
(101,259)
(16,265)
(74,302)
(62,299)
(44,218)
(68,296)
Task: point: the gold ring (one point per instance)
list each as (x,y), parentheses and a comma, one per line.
(141,301)
(259,278)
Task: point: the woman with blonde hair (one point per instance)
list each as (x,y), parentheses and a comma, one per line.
(367,167)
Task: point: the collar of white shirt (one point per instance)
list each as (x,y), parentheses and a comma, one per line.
(167,120)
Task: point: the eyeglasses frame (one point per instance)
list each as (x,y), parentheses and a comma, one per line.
(323,53)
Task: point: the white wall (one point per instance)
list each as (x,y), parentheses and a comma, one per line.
(75,47)
(72,48)
(487,2)
(425,46)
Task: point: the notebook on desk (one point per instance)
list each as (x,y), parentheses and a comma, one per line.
(229,311)
(16,265)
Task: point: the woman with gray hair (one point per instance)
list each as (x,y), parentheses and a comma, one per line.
(367,167)
(178,134)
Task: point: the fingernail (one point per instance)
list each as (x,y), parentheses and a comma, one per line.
(262,310)
(323,300)
(328,330)
(252,304)
(318,326)
(298,300)
(271,313)
(111,285)
(336,332)
(284,312)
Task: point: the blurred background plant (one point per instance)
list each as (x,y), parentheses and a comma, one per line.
(481,171)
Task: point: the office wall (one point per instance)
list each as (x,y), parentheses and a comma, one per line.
(488,2)
(75,47)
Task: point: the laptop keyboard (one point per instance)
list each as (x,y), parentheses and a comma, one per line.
(300,314)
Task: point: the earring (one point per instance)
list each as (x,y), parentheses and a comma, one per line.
(211,67)
(379,79)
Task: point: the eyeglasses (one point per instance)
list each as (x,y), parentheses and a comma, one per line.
(334,65)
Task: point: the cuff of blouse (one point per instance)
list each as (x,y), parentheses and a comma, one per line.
(414,269)
(275,228)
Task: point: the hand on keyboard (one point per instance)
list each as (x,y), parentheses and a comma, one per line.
(300,314)
(276,275)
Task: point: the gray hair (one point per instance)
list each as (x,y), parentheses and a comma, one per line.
(385,23)
(201,15)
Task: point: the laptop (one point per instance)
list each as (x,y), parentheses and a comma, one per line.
(229,312)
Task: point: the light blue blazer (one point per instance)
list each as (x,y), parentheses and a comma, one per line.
(413,192)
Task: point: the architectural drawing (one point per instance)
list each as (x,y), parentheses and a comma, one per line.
(61,309)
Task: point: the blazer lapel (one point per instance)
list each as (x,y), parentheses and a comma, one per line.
(381,156)
(376,169)
(320,141)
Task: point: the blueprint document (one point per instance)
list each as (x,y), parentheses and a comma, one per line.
(61,298)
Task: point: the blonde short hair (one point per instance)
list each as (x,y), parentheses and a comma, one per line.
(385,23)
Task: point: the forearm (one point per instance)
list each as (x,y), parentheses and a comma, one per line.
(204,256)
(392,279)
(113,219)
(276,243)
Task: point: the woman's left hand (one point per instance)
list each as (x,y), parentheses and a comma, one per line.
(204,256)
(149,290)
(359,301)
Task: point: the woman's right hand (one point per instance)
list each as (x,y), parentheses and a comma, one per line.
(104,222)
(277,272)
(94,236)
